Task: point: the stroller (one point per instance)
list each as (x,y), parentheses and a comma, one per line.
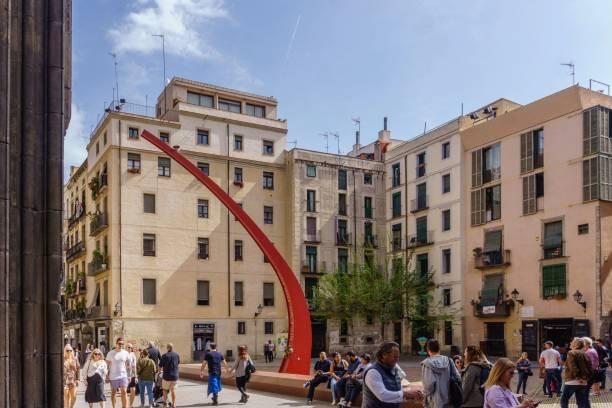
(158,394)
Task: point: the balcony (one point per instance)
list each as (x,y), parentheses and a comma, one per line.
(551,250)
(75,251)
(98,223)
(503,309)
(70,289)
(420,239)
(343,238)
(97,312)
(78,213)
(397,244)
(370,241)
(98,265)
(314,267)
(314,238)
(419,204)
(81,286)
(494,259)
(74,314)
(97,184)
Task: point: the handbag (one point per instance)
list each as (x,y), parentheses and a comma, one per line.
(249,369)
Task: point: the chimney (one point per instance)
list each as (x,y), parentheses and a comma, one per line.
(357,145)
(384,135)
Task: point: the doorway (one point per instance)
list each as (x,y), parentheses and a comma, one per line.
(559,331)
(319,334)
(203,334)
(495,343)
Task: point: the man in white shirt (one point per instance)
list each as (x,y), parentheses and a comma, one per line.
(118,361)
(550,359)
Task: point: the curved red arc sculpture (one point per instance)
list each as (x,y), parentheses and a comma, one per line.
(300,335)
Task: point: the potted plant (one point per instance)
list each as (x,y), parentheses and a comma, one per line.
(98,259)
(94,186)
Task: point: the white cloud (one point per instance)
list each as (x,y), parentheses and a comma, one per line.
(75,141)
(181,21)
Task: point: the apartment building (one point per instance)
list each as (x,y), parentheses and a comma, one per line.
(170,263)
(537,236)
(337,220)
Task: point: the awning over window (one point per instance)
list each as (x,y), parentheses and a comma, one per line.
(493,241)
(553,235)
(95,297)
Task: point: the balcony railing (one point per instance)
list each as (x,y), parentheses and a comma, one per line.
(126,107)
(550,251)
(312,238)
(495,259)
(420,239)
(343,238)
(76,250)
(74,314)
(98,311)
(81,286)
(396,244)
(98,223)
(370,241)
(419,204)
(499,310)
(77,215)
(98,184)
(97,266)
(315,267)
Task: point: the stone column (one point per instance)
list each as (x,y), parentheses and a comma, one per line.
(34,113)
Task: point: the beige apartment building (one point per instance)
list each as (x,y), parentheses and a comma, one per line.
(172,265)
(538,234)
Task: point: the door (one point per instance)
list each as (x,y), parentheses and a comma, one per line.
(530,338)
(397,334)
(495,341)
(581,328)
(319,334)
(203,334)
(559,331)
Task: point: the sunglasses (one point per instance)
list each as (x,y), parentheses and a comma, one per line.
(97,354)
(68,351)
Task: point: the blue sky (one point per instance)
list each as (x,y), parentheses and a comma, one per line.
(328,61)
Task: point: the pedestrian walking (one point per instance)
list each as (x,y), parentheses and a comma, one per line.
(437,371)
(118,360)
(473,377)
(593,356)
(272,350)
(145,370)
(213,360)
(550,360)
(267,353)
(132,388)
(169,364)
(154,353)
(242,369)
(498,393)
(336,372)
(72,370)
(321,370)
(382,383)
(96,371)
(87,351)
(578,372)
(602,353)
(523,366)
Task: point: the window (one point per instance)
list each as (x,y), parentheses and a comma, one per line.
(310,291)
(268,180)
(204,168)
(268,147)
(237,250)
(367,178)
(343,329)
(553,239)
(532,150)
(396,200)
(395,175)
(241,328)
(342,260)
(533,188)
(149,203)
(596,130)
(202,137)
(133,163)
(368,234)
(342,233)
(311,200)
(492,290)
(268,214)
(163,166)
(268,294)
(203,293)
(421,230)
(446,183)
(149,292)
(199,99)
(554,281)
(148,244)
(492,163)
(97,148)
(230,106)
(448,333)
(396,237)
(446,260)
(367,207)
(203,248)
(238,143)
(311,259)
(256,110)
(446,220)
(445,150)
(446,297)
(420,169)
(202,208)
(590,187)
(238,294)
(164,137)
(421,200)
(237,175)
(583,229)
(486,205)
(133,133)
(268,327)
(342,180)
(368,259)
(342,204)
(105,139)
(265,259)
(311,227)
(311,170)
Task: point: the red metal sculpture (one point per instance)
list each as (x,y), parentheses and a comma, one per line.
(297,361)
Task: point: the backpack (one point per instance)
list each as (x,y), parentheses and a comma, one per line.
(485,370)
(249,369)
(455,390)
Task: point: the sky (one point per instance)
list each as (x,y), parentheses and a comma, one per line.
(327,61)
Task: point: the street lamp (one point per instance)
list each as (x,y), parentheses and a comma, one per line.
(578,299)
(515,296)
(255,315)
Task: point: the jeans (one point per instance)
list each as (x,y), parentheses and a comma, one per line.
(582,395)
(353,388)
(333,389)
(241,385)
(522,382)
(318,379)
(552,374)
(148,386)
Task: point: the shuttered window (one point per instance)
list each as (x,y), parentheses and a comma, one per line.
(477,168)
(268,294)
(492,290)
(526,152)
(149,203)
(396,200)
(477,207)
(149,292)
(203,293)
(554,281)
(605,178)
(238,294)
(596,131)
(529,195)
(589,179)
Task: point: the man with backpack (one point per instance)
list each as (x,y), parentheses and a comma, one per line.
(441,380)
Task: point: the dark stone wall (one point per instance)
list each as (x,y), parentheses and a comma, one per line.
(34,110)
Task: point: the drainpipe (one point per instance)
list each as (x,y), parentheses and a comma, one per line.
(229,247)
(120,239)
(598,299)
(354,213)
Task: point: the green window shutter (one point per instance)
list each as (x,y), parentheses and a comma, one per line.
(554,281)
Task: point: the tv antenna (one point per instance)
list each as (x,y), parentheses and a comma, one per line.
(163,39)
(337,136)
(326,136)
(112,54)
(572,68)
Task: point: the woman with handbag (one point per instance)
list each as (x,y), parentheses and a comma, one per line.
(243,368)
(95,372)
(523,366)
(71,376)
